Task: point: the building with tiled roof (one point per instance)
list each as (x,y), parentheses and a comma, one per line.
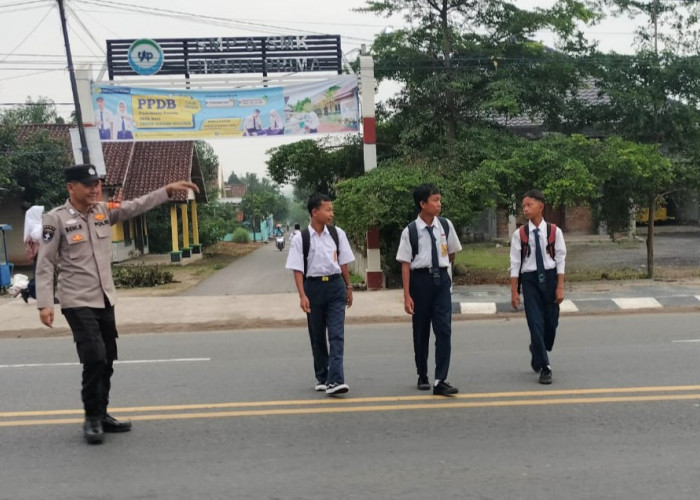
(137,168)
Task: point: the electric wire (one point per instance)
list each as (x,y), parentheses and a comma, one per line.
(51,7)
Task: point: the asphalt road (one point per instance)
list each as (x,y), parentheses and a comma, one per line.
(259,272)
(233,415)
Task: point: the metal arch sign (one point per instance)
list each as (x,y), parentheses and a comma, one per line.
(145,56)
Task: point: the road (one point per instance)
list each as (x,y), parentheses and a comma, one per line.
(268,275)
(233,415)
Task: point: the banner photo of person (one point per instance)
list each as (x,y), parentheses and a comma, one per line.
(133,114)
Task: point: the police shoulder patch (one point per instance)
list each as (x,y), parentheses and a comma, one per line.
(47,233)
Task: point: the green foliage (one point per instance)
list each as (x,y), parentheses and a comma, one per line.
(33,170)
(384,198)
(262,198)
(241,235)
(316,165)
(140,276)
(209,163)
(43,110)
(216,220)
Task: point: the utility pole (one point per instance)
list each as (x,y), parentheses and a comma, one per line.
(74,85)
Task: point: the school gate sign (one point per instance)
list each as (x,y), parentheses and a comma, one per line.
(231,55)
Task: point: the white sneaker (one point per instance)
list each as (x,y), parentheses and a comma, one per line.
(320,386)
(337,389)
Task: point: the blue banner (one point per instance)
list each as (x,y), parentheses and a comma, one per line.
(133,114)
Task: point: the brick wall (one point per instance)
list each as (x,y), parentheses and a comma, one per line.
(579,219)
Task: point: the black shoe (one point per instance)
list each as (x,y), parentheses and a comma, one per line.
(535,368)
(423,383)
(25,295)
(111,424)
(546,376)
(444,389)
(92,430)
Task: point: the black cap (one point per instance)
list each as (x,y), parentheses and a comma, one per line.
(536,194)
(85,174)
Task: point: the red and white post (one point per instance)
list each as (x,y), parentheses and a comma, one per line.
(373,275)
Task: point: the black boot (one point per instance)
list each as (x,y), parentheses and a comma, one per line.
(111,424)
(92,430)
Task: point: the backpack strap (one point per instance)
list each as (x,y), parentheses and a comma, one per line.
(551,238)
(413,238)
(524,232)
(413,234)
(306,244)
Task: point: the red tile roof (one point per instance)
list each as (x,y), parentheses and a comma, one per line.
(138,167)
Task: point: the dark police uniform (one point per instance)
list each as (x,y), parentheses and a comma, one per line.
(432,297)
(82,246)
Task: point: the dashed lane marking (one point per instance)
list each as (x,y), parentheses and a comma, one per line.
(127,362)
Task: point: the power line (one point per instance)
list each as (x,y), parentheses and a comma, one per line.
(30,33)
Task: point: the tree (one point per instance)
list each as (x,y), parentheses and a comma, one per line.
(209,163)
(639,175)
(261,199)
(233,179)
(316,165)
(464,62)
(43,110)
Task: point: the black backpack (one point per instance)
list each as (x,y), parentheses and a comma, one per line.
(413,234)
(306,243)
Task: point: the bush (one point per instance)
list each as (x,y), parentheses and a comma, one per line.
(241,235)
(140,276)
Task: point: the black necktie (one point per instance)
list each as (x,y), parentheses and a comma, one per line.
(538,258)
(435,268)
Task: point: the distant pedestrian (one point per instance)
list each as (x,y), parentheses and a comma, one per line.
(427,248)
(537,262)
(319,257)
(77,236)
(32,239)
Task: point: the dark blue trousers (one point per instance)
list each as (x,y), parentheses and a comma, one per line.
(432,304)
(328,300)
(542,314)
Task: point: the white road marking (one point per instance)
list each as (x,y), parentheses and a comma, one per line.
(638,303)
(689,341)
(128,362)
(477,307)
(567,306)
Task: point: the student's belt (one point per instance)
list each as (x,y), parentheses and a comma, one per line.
(332,277)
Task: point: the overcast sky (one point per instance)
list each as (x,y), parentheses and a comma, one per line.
(32,55)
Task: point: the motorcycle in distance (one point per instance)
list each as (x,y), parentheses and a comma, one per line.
(279,242)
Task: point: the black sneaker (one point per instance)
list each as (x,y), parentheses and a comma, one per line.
(546,376)
(25,295)
(535,368)
(444,389)
(337,389)
(423,383)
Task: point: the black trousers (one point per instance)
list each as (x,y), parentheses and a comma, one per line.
(432,304)
(95,335)
(542,314)
(328,300)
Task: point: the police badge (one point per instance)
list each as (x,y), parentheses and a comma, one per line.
(47,233)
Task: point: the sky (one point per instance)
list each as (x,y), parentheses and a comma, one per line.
(32,53)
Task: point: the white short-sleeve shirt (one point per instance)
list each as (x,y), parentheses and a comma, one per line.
(530,262)
(324,258)
(446,245)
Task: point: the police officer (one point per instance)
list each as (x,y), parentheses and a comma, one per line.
(77,237)
(427,285)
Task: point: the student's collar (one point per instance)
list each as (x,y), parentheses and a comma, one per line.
(313,231)
(421,224)
(541,227)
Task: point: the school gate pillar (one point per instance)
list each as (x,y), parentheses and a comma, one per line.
(373,275)
(186,249)
(175,255)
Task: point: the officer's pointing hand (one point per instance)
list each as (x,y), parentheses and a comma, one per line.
(46,316)
(181,186)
